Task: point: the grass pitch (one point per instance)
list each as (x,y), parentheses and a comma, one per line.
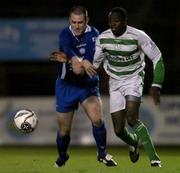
(83,160)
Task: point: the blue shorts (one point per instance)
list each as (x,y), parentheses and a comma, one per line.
(68,95)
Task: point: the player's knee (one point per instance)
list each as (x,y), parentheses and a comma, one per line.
(131,121)
(131,117)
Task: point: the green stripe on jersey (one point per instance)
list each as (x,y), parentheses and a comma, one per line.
(118,73)
(121,53)
(123,64)
(118,41)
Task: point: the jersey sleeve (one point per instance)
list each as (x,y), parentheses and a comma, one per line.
(65,44)
(154,54)
(158,73)
(91,41)
(99,54)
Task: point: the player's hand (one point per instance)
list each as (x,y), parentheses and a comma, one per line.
(77,66)
(58,56)
(89,68)
(155,94)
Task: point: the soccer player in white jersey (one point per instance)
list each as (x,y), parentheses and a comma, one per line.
(122,49)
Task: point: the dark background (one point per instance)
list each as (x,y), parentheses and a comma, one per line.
(160,19)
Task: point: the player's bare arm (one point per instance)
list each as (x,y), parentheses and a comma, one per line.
(77,66)
(89,68)
(155,94)
(58,56)
(62,57)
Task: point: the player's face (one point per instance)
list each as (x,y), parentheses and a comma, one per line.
(117,25)
(78,23)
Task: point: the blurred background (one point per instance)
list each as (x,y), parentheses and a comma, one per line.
(29,32)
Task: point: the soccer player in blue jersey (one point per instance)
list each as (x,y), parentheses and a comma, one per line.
(74,86)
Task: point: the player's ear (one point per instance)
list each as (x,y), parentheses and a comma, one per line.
(87,20)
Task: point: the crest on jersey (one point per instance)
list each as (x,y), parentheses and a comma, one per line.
(82,50)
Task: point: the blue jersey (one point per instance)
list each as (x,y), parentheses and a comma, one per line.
(72,89)
(83,47)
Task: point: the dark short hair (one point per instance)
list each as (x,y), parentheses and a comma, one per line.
(79,10)
(120,11)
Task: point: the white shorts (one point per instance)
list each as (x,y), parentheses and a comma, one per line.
(118,89)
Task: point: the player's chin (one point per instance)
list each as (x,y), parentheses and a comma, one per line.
(114,31)
(78,32)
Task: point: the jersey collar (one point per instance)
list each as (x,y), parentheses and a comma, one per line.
(88,29)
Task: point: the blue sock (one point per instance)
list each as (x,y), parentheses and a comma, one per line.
(62,145)
(100,138)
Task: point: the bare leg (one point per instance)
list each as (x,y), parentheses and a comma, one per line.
(140,129)
(63,136)
(118,119)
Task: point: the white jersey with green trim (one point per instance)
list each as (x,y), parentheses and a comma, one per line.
(123,56)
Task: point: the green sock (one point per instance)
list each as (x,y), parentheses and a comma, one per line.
(142,133)
(128,137)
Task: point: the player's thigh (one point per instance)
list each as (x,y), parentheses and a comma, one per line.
(133,94)
(65,122)
(93,107)
(117,101)
(133,86)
